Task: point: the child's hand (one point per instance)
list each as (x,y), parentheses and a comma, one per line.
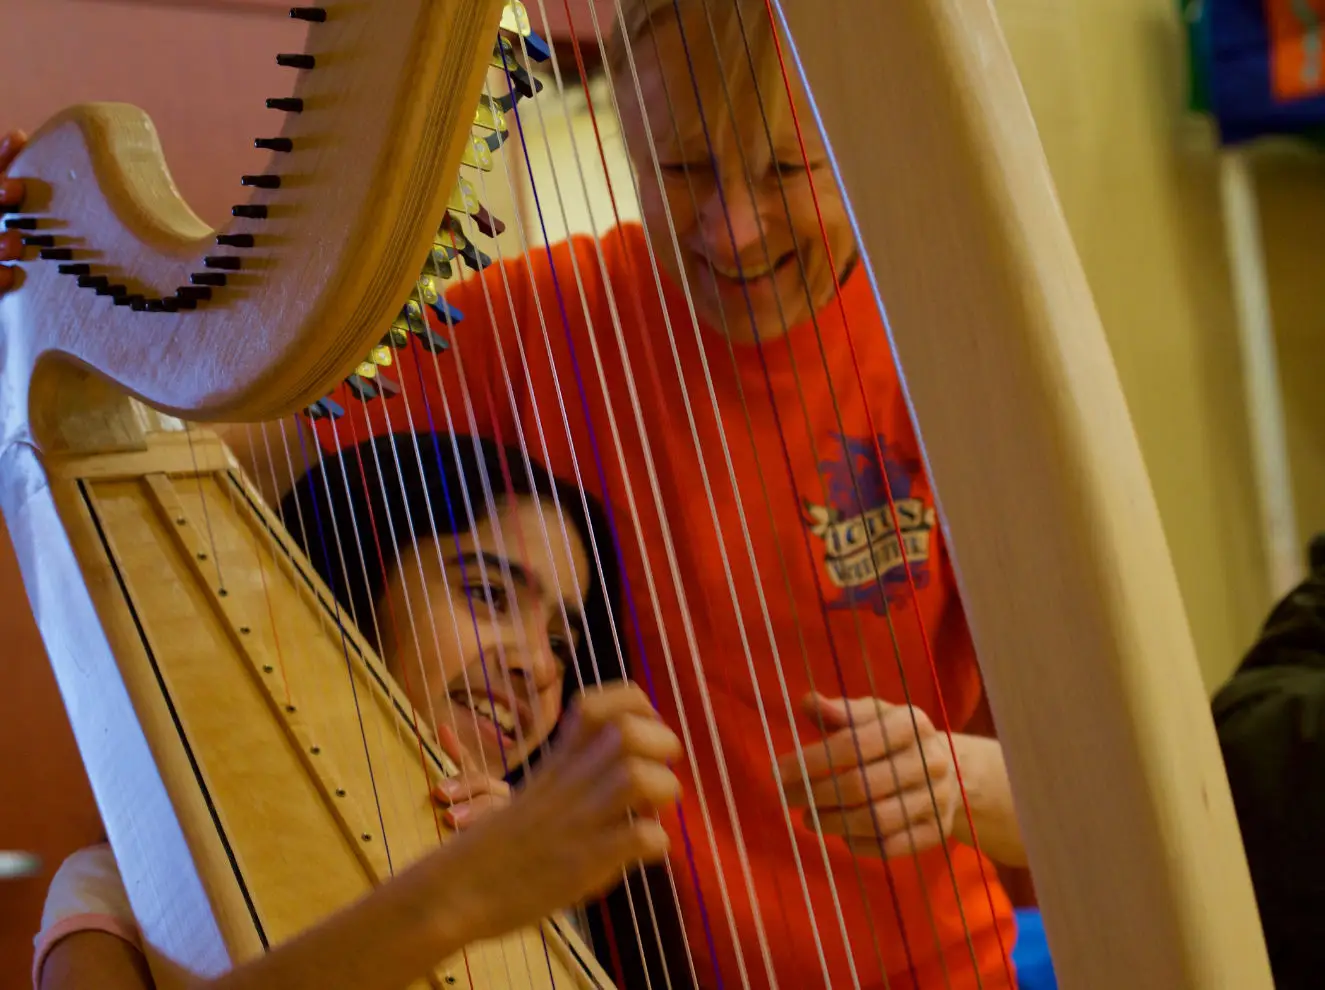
(588,812)
(472,792)
(883,778)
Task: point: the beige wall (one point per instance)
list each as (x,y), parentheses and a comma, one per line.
(1138,181)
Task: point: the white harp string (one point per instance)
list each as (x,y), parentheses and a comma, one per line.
(852,606)
(503,274)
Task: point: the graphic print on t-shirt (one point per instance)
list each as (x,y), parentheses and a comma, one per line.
(862,550)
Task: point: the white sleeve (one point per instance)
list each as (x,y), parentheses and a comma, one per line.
(86,894)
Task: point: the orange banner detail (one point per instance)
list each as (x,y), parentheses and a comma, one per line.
(1297,47)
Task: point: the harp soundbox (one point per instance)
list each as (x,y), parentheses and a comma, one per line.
(239,803)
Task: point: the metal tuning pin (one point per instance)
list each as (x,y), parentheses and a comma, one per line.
(489,115)
(515,19)
(522,80)
(326,408)
(299,61)
(315,14)
(20,223)
(380,356)
(398,336)
(477,155)
(360,387)
(39,240)
(290,104)
(428,288)
(77,268)
(249,211)
(503,54)
(439,265)
(235,240)
(462,246)
(463,197)
(443,250)
(273,144)
(465,200)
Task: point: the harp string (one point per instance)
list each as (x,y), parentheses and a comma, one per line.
(206,516)
(376,628)
(396,541)
(535,195)
(628,595)
(394,624)
(503,275)
(715,739)
(928,907)
(340,627)
(276,556)
(651,364)
(763,486)
(588,640)
(543,128)
(592,549)
(836,659)
(926,645)
(472,521)
(796,621)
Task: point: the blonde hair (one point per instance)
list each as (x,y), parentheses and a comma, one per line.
(739,35)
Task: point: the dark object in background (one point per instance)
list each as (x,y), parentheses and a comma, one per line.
(1270,717)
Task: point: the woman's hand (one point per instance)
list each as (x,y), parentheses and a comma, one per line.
(472,792)
(883,778)
(11,195)
(588,811)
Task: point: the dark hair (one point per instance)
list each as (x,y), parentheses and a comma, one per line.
(388,492)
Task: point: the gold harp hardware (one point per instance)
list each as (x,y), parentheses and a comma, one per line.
(1065,575)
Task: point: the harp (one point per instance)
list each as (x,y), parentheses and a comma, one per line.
(240,814)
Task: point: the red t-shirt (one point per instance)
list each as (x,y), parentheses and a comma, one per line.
(774,415)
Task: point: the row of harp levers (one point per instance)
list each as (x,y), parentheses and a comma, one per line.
(515,45)
(452,247)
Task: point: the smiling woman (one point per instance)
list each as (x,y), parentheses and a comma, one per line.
(472,569)
(489,589)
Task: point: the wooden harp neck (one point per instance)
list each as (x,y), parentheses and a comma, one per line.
(385,115)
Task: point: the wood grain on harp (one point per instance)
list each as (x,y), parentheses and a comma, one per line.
(243,811)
